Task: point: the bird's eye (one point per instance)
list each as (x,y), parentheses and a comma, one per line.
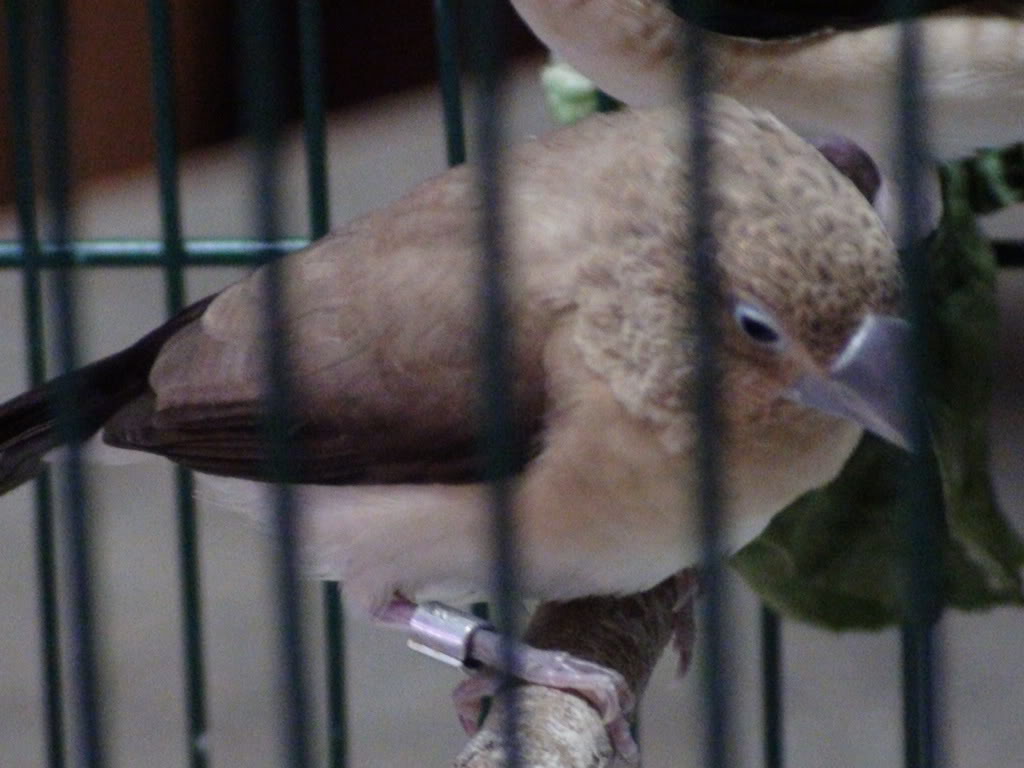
(757,326)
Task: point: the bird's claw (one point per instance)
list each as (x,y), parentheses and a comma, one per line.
(684,624)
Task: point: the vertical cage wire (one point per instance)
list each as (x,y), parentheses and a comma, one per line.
(334,652)
(498,442)
(46,556)
(263,93)
(446,33)
(314,120)
(771,688)
(314,114)
(76,523)
(702,269)
(923,522)
(162,57)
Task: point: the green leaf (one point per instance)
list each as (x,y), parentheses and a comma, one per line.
(835,557)
(570,95)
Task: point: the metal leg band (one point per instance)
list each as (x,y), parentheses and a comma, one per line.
(443,633)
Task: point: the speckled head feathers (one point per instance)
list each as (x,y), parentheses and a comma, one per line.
(796,236)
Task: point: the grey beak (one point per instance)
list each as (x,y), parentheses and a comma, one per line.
(868,381)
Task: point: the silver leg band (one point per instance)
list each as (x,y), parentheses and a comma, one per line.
(443,633)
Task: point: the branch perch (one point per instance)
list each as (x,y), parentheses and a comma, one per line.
(559,729)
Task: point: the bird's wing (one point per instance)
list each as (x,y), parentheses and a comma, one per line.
(381,330)
(383,323)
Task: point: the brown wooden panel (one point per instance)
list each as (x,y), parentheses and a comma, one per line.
(372,47)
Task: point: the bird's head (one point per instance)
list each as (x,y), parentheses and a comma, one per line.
(812,290)
(810,282)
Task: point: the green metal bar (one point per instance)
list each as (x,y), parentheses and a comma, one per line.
(771,684)
(24,181)
(314,126)
(921,739)
(446,34)
(174,257)
(263,91)
(46,571)
(334,645)
(922,519)
(701,265)
(144,253)
(76,523)
(498,434)
(46,559)
(132,254)
(315,114)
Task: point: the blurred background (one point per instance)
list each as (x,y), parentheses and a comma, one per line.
(842,692)
(371,50)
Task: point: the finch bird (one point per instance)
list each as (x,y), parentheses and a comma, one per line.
(381,323)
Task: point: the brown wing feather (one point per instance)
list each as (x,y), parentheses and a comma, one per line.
(383,347)
(225,446)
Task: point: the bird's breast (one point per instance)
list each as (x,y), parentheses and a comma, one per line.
(610,509)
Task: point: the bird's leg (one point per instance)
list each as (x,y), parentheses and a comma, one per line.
(462,639)
(396,614)
(684,626)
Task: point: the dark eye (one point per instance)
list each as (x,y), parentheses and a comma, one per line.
(757,325)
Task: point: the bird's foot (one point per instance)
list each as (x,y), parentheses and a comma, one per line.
(684,625)
(604,688)
(462,639)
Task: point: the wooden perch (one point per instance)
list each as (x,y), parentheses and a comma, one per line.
(559,729)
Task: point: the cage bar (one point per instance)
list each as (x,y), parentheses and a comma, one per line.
(46,556)
(334,656)
(702,268)
(134,254)
(446,32)
(771,688)
(498,435)
(314,125)
(174,286)
(144,253)
(76,524)
(314,122)
(922,520)
(261,77)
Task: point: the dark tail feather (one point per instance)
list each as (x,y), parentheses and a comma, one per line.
(28,423)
